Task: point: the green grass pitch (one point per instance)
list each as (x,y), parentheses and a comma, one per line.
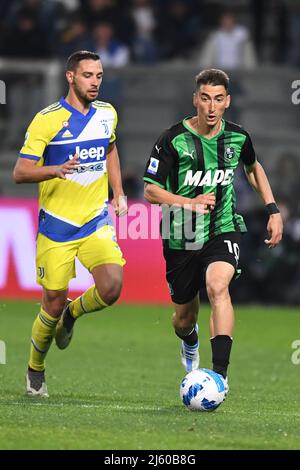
(117,385)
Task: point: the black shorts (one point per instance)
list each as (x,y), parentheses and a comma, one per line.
(185,270)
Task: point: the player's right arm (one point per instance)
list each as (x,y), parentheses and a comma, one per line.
(29,167)
(159,166)
(202,203)
(27,170)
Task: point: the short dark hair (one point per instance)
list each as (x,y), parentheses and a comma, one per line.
(212,77)
(76,57)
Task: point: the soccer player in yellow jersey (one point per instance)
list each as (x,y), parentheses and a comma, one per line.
(70,151)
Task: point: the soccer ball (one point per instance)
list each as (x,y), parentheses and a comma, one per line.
(203,390)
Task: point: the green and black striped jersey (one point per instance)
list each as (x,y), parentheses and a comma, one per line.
(185,163)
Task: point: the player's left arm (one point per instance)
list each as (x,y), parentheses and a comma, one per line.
(259,181)
(119,201)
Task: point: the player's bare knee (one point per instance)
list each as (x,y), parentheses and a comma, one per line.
(110,292)
(53,302)
(183,322)
(54,307)
(111,296)
(217,291)
(173,319)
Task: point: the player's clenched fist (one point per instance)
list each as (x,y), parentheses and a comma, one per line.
(67,168)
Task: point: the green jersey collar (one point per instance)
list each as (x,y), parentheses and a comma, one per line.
(184,122)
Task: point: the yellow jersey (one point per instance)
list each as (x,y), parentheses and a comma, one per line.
(75,207)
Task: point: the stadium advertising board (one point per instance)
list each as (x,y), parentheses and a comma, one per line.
(144,268)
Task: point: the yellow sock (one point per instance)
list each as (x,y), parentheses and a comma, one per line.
(88,302)
(43,330)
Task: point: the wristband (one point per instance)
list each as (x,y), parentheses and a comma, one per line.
(272,208)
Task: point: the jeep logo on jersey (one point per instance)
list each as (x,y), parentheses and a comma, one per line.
(229,153)
(209,178)
(93,152)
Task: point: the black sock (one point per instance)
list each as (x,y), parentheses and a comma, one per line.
(36,371)
(190,339)
(221,347)
(68,320)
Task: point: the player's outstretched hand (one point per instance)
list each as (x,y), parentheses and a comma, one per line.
(67,168)
(203,203)
(119,204)
(275,230)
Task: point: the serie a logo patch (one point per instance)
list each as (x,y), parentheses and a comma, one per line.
(153,166)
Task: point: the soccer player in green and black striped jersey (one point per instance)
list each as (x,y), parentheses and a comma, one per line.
(190,173)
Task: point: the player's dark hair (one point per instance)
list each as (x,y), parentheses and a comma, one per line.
(212,77)
(76,57)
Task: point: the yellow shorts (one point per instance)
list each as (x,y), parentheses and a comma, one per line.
(55,261)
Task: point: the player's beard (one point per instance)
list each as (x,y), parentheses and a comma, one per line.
(83,96)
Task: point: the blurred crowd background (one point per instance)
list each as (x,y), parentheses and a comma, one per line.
(234,33)
(151,50)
